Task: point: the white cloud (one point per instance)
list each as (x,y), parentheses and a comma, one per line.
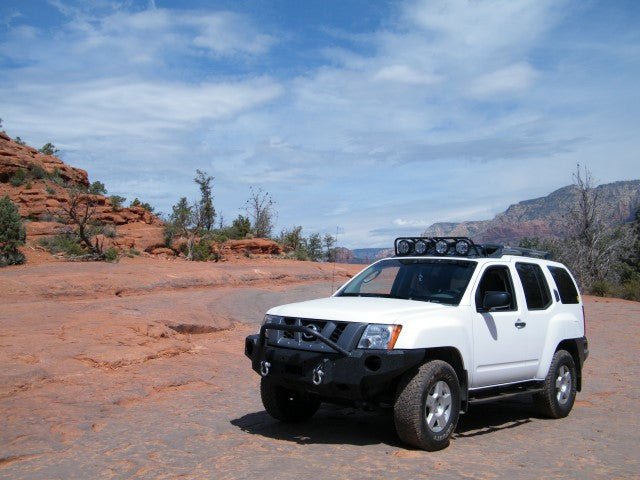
(511,79)
(132,107)
(405,74)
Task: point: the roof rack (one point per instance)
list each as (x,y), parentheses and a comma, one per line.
(497,251)
(459,247)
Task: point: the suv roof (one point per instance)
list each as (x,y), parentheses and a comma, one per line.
(459,247)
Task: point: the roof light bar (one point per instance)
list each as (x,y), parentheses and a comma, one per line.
(440,246)
(458,247)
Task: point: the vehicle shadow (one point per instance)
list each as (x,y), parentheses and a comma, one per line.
(343,425)
(330,425)
(492,417)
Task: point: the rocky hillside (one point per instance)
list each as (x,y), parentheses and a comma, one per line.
(544,216)
(40,184)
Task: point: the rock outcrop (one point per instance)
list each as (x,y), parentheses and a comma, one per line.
(257,246)
(40,186)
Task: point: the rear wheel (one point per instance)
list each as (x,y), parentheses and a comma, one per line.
(427,406)
(559,393)
(287,405)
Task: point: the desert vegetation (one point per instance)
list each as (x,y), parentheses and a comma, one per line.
(12,234)
(191,227)
(605,259)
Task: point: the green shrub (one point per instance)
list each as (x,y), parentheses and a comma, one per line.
(18,178)
(218,237)
(97,188)
(12,258)
(202,251)
(19,141)
(50,190)
(117,201)
(301,254)
(12,233)
(49,149)
(109,231)
(67,244)
(137,203)
(28,186)
(630,290)
(600,288)
(133,252)
(38,172)
(111,254)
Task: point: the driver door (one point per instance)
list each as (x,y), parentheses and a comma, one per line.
(500,343)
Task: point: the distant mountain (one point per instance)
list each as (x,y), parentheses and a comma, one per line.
(366,255)
(544,216)
(540,217)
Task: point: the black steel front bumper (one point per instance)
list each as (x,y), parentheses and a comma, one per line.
(357,375)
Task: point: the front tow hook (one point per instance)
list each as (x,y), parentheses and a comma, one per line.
(318,375)
(264,368)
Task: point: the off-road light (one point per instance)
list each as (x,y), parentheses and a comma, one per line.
(462,247)
(404,247)
(442,247)
(420,247)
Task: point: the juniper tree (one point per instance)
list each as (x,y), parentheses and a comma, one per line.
(207,212)
(12,233)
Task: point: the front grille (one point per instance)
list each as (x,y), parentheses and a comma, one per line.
(289,321)
(333,330)
(335,335)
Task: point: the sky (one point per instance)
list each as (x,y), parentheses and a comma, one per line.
(374,119)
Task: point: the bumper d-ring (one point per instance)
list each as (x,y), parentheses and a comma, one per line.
(264,368)
(318,375)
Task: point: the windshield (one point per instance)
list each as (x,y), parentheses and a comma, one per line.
(427,280)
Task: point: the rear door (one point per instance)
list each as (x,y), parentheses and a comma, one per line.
(537,310)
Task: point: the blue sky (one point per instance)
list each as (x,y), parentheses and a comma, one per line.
(376,117)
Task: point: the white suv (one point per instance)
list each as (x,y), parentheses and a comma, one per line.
(442,324)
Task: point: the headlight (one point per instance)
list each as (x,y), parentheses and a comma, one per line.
(379,336)
(271,319)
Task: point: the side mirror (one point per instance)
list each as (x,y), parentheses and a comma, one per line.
(496,300)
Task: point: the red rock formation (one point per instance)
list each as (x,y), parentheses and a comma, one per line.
(259,246)
(41,197)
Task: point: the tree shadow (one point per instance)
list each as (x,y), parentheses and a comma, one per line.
(343,425)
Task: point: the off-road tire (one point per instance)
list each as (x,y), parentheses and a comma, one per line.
(287,405)
(411,411)
(557,398)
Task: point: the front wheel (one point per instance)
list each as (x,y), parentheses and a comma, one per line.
(427,406)
(287,405)
(559,392)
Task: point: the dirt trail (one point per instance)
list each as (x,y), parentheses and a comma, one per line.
(152,383)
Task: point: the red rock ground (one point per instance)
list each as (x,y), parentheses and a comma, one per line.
(96,384)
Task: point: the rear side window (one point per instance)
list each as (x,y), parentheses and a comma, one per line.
(536,290)
(566,287)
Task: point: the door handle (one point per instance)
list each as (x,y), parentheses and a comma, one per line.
(520,324)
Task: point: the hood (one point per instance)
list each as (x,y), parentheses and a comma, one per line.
(358,309)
